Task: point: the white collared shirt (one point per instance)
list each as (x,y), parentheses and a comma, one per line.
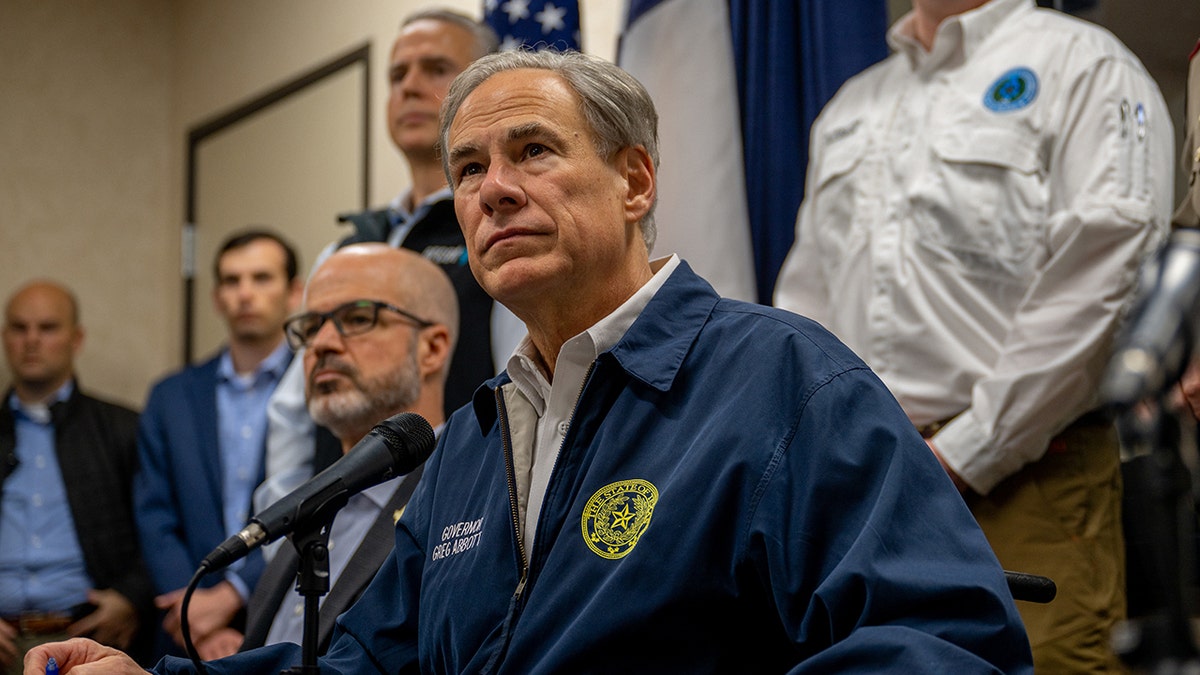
(540,412)
(974,219)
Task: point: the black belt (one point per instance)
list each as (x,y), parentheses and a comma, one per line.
(35,623)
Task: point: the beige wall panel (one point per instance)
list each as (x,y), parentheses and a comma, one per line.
(290,167)
(229,52)
(84,130)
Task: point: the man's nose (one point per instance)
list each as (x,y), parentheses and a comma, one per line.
(413,82)
(327,338)
(500,190)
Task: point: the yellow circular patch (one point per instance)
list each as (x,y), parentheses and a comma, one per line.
(617,515)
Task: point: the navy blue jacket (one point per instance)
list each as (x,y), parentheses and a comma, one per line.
(177,488)
(737,493)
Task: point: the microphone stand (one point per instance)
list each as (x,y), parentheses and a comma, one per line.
(1161,642)
(312,581)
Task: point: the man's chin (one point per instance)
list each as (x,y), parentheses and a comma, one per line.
(415,140)
(35,377)
(333,410)
(252,330)
(517,278)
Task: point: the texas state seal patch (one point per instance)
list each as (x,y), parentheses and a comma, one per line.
(1012,91)
(617,516)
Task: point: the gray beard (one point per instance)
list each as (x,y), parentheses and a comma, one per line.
(371,400)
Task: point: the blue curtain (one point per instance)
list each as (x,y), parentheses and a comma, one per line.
(792,56)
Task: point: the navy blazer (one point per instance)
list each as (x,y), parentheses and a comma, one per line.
(177,488)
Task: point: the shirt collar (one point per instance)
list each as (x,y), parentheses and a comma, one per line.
(274,365)
(40,412)
(959,34)
(400,212)
(381,493)
(585,347)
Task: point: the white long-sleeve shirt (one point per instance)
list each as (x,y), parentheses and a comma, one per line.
(974,219)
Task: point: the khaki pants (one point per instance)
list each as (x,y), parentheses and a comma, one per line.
(1060,517)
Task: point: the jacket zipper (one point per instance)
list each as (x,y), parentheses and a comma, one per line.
(510,475)
(505,439)
(510,470)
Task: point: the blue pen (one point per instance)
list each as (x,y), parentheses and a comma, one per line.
(51,667)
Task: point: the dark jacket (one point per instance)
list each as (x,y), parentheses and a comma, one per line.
(96,444)
(438,238)
(178,487)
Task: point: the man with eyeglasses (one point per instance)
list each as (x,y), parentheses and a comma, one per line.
(202,435)
(378,334)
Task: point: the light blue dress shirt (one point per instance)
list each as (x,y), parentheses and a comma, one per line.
(242,431)
(41,562)
(347,532)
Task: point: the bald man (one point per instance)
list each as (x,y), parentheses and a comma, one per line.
(377,334)
(69,559)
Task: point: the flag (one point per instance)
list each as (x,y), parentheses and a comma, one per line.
(536,23)
(737,84)
(682,52)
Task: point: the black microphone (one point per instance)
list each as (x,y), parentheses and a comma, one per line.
(1154,347)
(394,447)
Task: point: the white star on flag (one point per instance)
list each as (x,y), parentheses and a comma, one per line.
(534,24)
(551,18)
(516,10)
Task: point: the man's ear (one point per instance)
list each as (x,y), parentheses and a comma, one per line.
(433,350)
(637,169)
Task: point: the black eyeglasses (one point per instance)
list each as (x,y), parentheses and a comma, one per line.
(353,318)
